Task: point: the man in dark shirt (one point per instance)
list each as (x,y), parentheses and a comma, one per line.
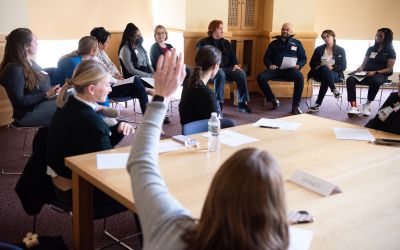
(285,46)
(229,68)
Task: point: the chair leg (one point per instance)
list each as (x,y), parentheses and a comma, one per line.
(117,241)
(34,224)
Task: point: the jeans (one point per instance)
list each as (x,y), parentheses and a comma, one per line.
(327,79)
(228,74)
(373,82)
(40,116)
(292,75)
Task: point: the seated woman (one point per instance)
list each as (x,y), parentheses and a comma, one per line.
(133,57)
(378,64)
(197,100)
(327,65)
(77,129)
(160,47)
(27,85)
(388,117)
(134,89)
(245,205)
(87,50)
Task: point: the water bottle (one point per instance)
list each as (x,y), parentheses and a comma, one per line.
(214,127)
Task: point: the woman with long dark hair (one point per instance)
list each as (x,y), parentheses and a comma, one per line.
(327,65)
(378,64)
(27,85)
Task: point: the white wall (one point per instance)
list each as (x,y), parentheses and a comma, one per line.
(13,14)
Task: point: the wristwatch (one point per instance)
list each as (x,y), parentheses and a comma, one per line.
(158,98)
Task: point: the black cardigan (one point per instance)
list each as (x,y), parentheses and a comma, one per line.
(77,129)
(339,55)
(155,52)
(228,59)
(22,99)
(197,103)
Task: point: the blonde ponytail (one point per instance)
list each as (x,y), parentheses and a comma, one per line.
(86,73)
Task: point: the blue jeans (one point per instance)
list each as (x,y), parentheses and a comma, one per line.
(291,75)
(40,116)
(327,79)
(228,74)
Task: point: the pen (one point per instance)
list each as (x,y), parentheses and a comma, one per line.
(263,126)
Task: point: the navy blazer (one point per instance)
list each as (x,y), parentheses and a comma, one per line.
(339,55)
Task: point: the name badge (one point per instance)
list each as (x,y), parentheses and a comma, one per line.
(314,183)
(373,55)
(384,113)
(294,48)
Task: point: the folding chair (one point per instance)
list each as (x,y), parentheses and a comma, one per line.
(340,84)
(26,130)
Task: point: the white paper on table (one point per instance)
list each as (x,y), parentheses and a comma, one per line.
(288,62)
(112,161)
(149,80)
(359,134)
(300,239)
(281,124)
(233,139)
(167,146)
(123,81)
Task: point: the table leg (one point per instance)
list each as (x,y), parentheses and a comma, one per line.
(82,210)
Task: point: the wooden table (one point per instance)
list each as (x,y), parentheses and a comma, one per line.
(365,216)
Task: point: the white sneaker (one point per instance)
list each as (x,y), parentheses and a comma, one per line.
(353,111)
(366,109)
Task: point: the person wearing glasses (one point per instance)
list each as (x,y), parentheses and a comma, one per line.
(160,47)
(378,65)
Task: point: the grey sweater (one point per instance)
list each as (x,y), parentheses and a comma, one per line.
(125,56)
(163,219)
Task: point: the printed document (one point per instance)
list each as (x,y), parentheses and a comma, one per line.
(288,62)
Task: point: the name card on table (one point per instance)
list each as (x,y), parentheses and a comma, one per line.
(314,183)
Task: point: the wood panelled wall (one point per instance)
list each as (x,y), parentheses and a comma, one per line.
(281,89)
